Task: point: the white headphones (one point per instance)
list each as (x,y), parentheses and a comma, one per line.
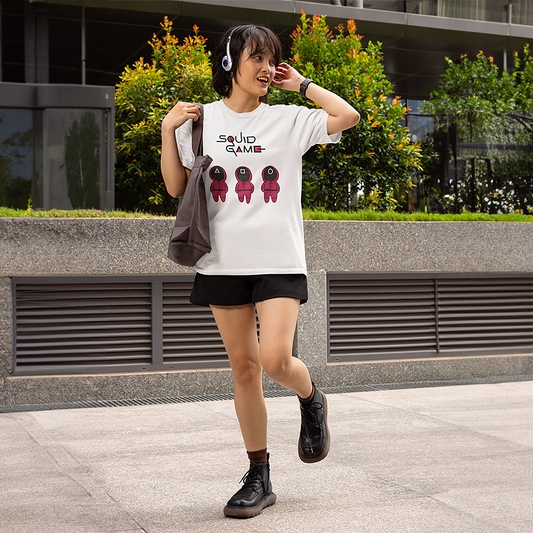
(227,63)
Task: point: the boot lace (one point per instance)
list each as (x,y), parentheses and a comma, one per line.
(310,413)
(253,477)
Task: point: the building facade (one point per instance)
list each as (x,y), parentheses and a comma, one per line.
(91,41)
(62,44)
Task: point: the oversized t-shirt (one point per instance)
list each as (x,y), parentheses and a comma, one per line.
(253,186)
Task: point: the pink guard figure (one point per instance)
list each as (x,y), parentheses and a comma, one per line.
(218,187)
(270,185)
(244,187)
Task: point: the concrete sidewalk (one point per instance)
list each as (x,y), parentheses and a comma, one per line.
(455,459)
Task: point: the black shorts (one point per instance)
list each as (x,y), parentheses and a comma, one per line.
(240,290)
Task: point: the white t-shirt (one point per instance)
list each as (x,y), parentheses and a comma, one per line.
(253,186)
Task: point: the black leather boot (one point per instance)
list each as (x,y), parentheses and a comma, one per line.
(313,445)
(255,494)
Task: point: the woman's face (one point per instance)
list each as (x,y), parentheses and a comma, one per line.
(255,73)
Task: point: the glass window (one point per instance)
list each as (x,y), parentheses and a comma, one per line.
(68,166)
(16,157)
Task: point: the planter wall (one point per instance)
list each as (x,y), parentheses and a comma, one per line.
(31,247)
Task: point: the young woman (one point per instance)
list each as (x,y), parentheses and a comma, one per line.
(257,262)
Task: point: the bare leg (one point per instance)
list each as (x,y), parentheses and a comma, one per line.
(237,327)
(277,319)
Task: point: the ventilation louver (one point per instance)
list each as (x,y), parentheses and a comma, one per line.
(426,315)
(111,324)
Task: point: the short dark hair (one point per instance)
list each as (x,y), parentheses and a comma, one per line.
(256,38)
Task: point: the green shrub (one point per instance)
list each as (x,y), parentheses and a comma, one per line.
(375,158)
(145,94)
(523,80)
(476,103)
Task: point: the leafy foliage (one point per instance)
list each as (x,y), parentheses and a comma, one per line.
(375,158)
(145,94)
(523,80)
(477,104)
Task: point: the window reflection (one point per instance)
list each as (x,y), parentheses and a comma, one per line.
(70,163)
(16,157)
(50,159)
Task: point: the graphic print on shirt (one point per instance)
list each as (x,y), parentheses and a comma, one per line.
(270,185)
(241,144)
(218,187)
(244,187)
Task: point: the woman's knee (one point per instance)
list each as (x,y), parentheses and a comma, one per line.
(278,368)
(246,370)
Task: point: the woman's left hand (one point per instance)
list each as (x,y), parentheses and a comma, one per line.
(287,78)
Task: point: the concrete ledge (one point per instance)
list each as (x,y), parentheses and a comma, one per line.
(33,246)
(412,371)
(75,388)
(19,391)
(42,247)
(358,246)
(59,247)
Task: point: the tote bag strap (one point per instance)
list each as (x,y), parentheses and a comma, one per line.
(197,130)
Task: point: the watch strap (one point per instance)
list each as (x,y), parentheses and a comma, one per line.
(304,85)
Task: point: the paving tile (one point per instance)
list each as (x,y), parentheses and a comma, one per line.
(505,506)
(445,460)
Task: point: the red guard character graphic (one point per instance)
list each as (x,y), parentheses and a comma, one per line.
(244,187)
(218,187)
(270,185)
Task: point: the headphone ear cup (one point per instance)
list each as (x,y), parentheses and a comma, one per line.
(226,63)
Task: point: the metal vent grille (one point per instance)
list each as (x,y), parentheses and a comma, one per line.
(82,325)
(373,319)
(379,317)
(486,314)
(190,334)
(111,324)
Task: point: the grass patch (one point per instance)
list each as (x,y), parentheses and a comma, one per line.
(308,214)
(75,213)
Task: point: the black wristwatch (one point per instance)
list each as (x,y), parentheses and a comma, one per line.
(304,85)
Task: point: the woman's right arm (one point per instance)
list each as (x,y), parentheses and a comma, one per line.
(174,173)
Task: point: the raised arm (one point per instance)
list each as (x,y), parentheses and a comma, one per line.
(342,115)
(174,173)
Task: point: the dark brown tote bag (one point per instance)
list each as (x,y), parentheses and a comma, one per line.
(190,240)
